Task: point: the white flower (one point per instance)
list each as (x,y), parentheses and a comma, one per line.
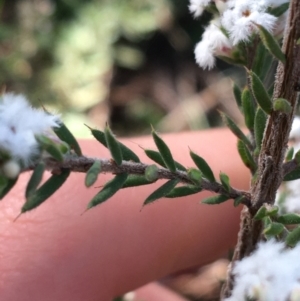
(213,43)
(271,273)
(197,7)
(291,189)
(19,123)
(239,21)
(295,131)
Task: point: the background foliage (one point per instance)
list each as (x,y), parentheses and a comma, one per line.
(131,60)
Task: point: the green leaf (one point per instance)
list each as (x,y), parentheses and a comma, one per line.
(236,130)
(92,174)
(289,155)
(203,166)
(289,219)
(282,105)
(248,109)
(237,201)
(273,229)
(162,191)
(195,176)
(157,158)
(293,175)
(151,173)
(182,191)
(50,146)
(225,181)
(272,211)
(64,134)
(237,95)
(109,189)
(113,146)
(270,43)
(261,213)
(293,237)
(279,10)
(259,126)
(3,183)
(136,180)
(259,66)
(46,190)
(297,157)
(35,179)
(164,152)
(260,93)
(10,184)
(246,156)
(128,154)
(214,200)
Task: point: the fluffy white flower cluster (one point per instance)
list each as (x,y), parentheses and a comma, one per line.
(234,24)
(19,123)
(271,273)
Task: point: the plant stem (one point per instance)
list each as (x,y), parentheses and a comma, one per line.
(82,164)
(271,169)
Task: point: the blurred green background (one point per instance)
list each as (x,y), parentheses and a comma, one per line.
(128,62)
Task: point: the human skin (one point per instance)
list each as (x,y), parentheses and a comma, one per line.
(54,253)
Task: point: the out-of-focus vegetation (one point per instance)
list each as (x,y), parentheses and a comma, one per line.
(129,62)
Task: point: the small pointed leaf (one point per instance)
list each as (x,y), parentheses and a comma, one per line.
(164,152)
(157,158)
(64,134)
(260,93)
(162,191)
(136,180)
(273,229)
(261,213)
(45,191)
(260,61)
(5,189)
(293,237)
(272,210)
(113,146)
(271,44)
(92,174)
(289,155)
(289,219)
(182,191)
(128,154)
(237,95)
(225,181)
(3,183)
(259,126)
(297,157)
(237,201)
(50,146)
(35,179)
(246,156)
(236,130)
(214,200)
(279,10)
(293,175)
(109,189)
(248,109)
(203,166)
